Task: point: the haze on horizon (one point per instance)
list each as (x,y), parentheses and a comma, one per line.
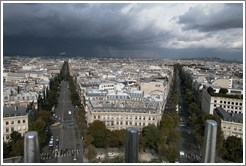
(143,30)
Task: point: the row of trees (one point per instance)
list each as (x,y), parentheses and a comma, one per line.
(15,145)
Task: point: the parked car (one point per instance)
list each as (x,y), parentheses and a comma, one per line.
(189,132)
(110,154)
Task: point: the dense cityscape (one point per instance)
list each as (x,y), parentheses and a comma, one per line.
(122,82)
(81,108)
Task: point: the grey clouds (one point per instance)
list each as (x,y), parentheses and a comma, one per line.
(148,30)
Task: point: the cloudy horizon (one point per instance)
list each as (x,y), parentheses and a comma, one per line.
(143,30)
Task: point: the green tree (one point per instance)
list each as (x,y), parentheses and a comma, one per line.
(233,146)
(18,147)
(199,129)
(223,91)
(92,153)
(88,140)
(44,115)
(6,150)
(172,154)
(166,124)
(95,126)
(39,126)
(14,136)
(151,133)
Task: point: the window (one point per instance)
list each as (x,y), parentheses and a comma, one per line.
(232,107)
(19,121)
(220,101)
(7,130)
(224,127)
(7,136)
(232,102)
(240,129)
(7,123)
(224,102)
(229,102)
(214,105)
(236,103)
(94,117)
(215,101)
(157,85)
(23,121)
(12,129)
(136,124)
(12,122)
(229,127)
(235,128)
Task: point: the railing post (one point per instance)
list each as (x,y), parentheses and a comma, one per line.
(209,145)
(31,148)
(132,145)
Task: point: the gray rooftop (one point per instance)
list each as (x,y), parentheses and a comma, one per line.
(14,111)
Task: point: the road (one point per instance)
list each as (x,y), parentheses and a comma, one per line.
(67,131)
(187,143)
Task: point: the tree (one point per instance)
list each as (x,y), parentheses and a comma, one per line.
(223,91)
(14,136)
(151,133)
(95,126)
(44,115)
(6,150)
(166,124)
(92,153)
(172,154)
(18,147)
(88,140)
(39,126)
(199,130)
(233,146)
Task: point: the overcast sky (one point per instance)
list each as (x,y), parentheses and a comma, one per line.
(144,30)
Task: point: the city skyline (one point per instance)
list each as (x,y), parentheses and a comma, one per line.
(142,30)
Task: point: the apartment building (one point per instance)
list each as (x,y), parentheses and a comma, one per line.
(153,86)
(231,124)
(17,118)
(120,115)
(231,105)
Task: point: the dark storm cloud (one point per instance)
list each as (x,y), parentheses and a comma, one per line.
(119,29)
(225,16)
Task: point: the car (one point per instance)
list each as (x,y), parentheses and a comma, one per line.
(110,154)
(69,112)
(57,139)
(181,124)
(51,138)
(74,158)
(57,148)
(51,143)
(189,132)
